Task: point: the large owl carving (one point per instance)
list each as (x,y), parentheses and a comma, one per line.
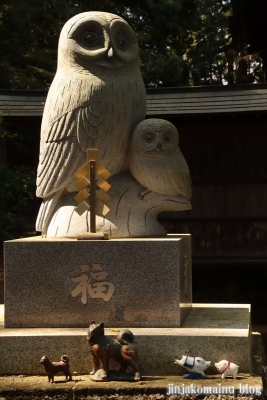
(96,99)
(156,161)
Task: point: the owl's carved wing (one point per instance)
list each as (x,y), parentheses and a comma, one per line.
(64,142)
(179,176)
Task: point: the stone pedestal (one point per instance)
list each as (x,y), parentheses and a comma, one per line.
(121,282)
(55,287)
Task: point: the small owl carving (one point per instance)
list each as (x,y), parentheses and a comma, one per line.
(156,161)
(96,99)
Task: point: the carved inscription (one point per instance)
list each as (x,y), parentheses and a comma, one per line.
(92,282)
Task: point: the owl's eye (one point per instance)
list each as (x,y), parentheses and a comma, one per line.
(90,39)
(122,42)
(167,138)
(149,137)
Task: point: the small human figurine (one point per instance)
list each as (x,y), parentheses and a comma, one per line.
(103,347)
(194,365)
(52,368)
(227,368)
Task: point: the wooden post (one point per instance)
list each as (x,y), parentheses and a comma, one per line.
(88,201)
(92,197)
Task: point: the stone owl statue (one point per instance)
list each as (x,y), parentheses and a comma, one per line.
(95,101)
(156,161)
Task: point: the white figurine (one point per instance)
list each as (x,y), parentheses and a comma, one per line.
(227,368)
(193,364)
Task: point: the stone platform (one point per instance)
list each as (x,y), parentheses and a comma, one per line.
(151,388)
(214,332)
(122,282)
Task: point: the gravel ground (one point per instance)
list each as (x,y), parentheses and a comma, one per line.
(62,396)
(22,387)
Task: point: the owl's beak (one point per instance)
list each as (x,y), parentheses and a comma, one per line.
(110,52)
(159,147)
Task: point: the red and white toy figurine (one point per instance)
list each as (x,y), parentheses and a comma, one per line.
(227,368)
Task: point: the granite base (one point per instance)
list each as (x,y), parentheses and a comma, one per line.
(121,282)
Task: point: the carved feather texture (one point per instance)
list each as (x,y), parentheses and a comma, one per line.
(96,99)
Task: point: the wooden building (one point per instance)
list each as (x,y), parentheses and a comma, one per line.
(223,136)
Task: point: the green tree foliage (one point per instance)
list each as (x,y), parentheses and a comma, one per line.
(172,34)
(212,35)
(225,66)
(163,28)
(29,32)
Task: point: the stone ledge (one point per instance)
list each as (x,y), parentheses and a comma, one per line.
(157,347)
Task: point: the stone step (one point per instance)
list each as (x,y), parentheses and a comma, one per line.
(212,331)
